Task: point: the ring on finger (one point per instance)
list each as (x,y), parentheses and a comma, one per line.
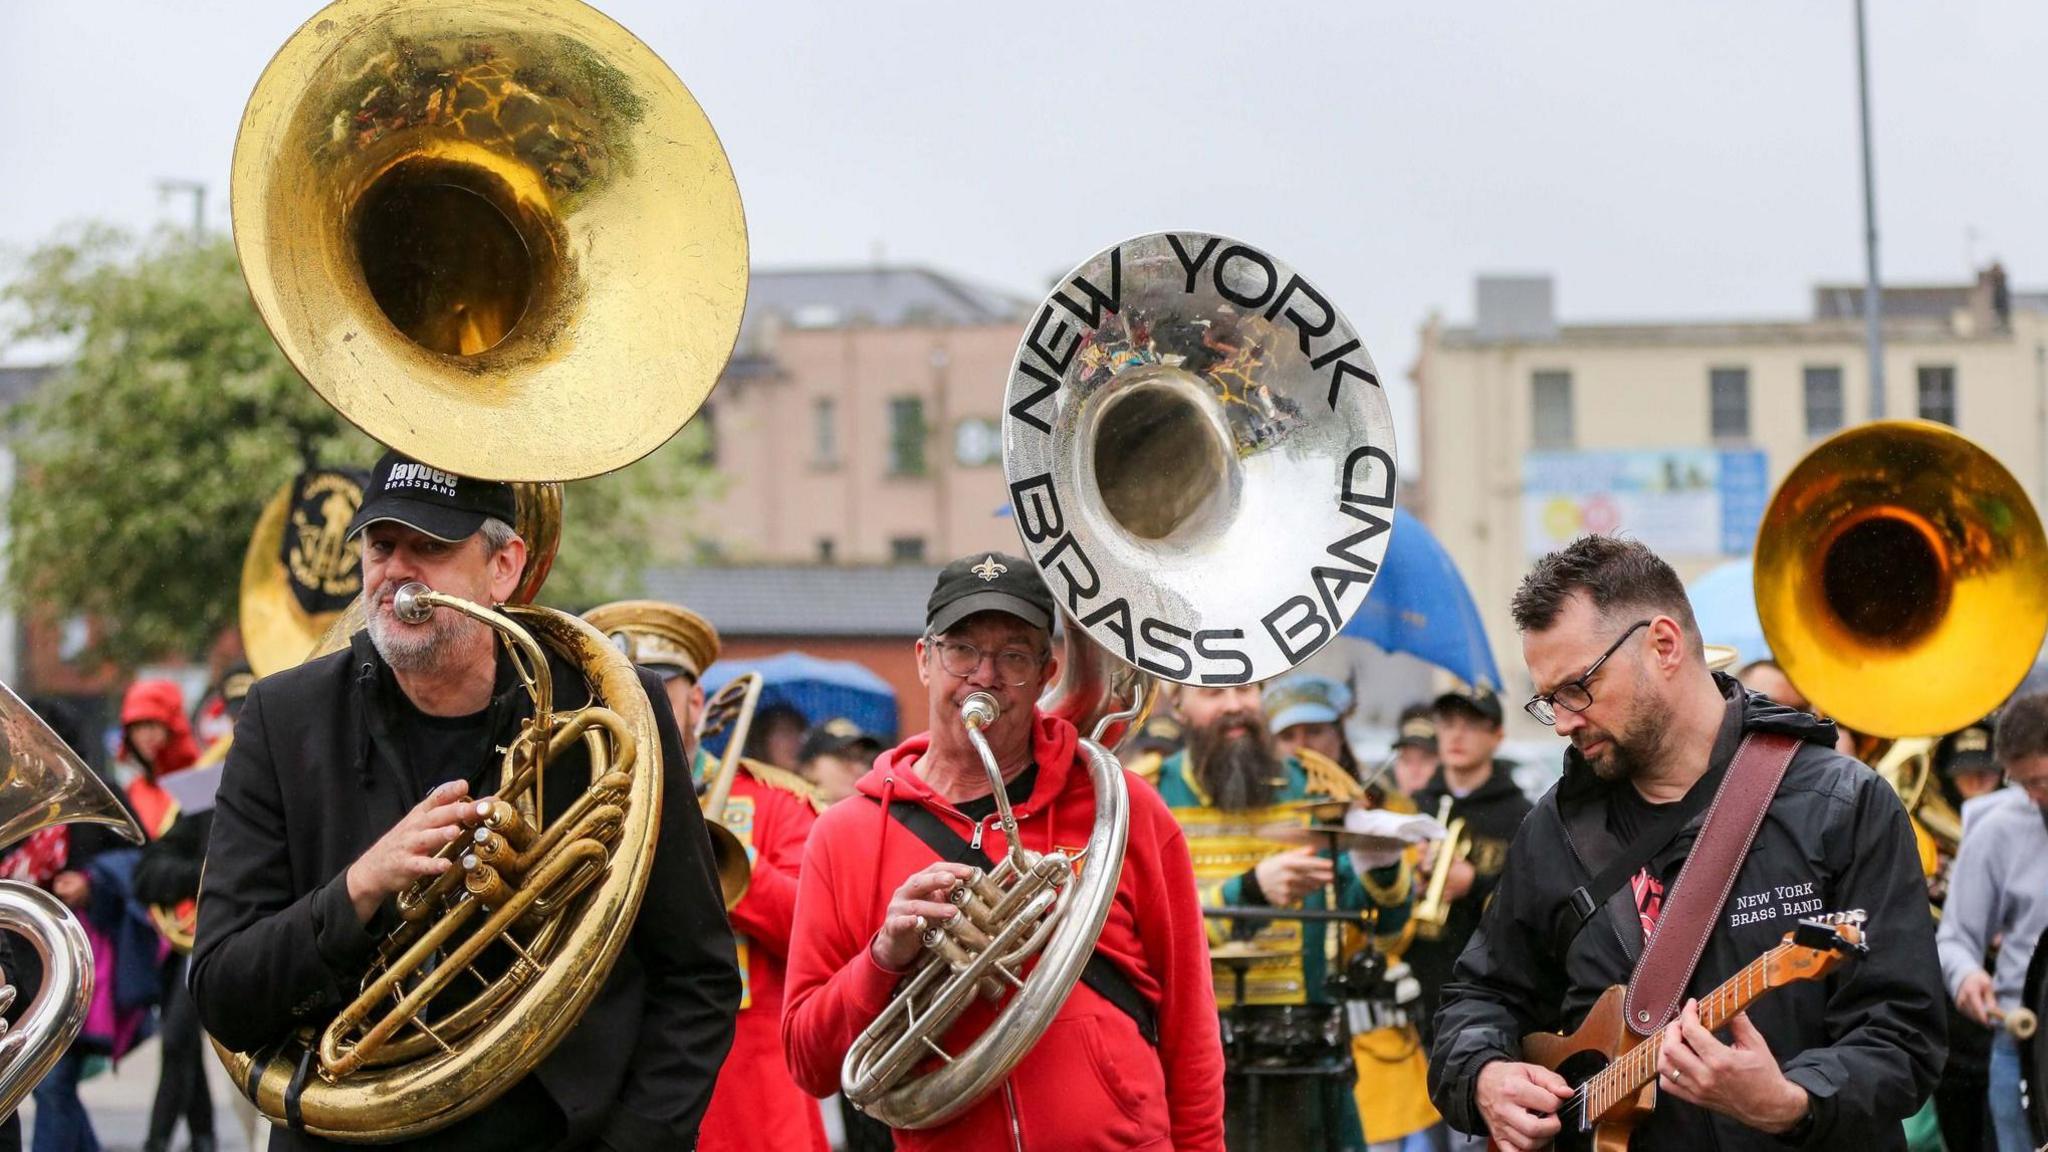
(1676,1075)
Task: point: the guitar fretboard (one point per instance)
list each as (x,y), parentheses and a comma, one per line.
(1637,1067)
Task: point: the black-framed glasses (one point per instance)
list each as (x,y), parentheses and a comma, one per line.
(1015,667)
(1576,696)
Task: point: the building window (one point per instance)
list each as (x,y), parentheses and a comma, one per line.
(906,436)
(1550,408)
(1728,401)
(1938,393)
(1823,400)
(825,432)
(906,549)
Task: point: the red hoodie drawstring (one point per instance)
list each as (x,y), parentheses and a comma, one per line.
(882,850)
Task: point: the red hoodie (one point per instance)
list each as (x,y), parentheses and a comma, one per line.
(158,700)
(1091,1082)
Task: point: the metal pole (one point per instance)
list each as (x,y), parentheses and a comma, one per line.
(1873,294)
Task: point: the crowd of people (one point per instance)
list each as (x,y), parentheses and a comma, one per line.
(1269,972)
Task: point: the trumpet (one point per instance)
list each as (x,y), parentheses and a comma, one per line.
(1433,911)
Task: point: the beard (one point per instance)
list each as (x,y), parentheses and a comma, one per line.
(1623,752)
(1238,772)
(423,647)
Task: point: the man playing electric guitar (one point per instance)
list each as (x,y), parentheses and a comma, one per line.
(1616,659)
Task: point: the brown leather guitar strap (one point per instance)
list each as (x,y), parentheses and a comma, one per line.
(1673,950)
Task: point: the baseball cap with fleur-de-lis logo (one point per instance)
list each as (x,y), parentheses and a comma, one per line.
(988,582)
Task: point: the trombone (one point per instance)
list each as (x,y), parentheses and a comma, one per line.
(730,711)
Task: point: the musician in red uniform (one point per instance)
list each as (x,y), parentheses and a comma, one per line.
(1132,1061)
(755,1106)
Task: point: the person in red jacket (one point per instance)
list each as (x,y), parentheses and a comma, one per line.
(755,1106)
(1133,1060)
(157,740)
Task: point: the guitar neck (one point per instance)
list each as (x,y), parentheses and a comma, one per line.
(1638,1066)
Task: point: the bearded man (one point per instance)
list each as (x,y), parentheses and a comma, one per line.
(1229,789)
(1619,669)
(349,774)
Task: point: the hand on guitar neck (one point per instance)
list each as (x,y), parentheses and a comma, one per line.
(1739,1079)
(1589,1090)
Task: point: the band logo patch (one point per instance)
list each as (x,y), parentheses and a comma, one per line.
(324,573)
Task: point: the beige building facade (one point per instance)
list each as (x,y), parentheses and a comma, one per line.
(1534,431)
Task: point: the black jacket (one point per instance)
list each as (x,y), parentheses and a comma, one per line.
(1866,1043)
(1491,812)
(315,777)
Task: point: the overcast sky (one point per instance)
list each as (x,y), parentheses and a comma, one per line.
(1662,161)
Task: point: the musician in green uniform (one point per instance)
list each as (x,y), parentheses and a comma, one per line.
(1233,794)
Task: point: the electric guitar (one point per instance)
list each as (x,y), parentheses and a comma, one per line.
(1614,1071)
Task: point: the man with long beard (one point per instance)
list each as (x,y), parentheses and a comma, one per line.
(349,774)
(1229,789)
(1616,659)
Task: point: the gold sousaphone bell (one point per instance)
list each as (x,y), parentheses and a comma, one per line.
(500,236)
(1902,579)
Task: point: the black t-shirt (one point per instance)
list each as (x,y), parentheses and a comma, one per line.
(443,748)
(1627,815)
(982,807)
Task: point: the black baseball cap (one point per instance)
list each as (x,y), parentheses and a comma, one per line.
(836,737)
(1967,750)
(431,500)
(1416,728)
(988,582)
(1479,701)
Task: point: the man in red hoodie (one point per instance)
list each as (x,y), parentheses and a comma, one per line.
(1132,1061)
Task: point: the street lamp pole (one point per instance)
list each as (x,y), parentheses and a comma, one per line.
(1873,293)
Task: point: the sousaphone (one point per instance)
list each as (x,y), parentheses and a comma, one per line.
(503,239)
(1902,579)
(1201,463)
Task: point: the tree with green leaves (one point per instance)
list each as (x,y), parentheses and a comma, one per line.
(142,463)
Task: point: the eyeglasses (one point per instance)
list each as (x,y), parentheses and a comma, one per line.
(1014,666)
(1575,696)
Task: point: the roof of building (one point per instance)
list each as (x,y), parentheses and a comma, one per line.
(801,601)
(17,382)
(1733,332)
(882,296)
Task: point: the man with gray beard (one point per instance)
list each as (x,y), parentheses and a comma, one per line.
(1229,790)
(349,774)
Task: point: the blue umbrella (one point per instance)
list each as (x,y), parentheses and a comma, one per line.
(1420,605)
(819,689)
(1724,602)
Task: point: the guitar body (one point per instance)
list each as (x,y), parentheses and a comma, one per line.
(1601,1037)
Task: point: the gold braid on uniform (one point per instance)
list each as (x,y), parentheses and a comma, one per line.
(1326,777)
(784,779)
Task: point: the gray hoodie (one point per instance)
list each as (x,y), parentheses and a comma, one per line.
(1998,886)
